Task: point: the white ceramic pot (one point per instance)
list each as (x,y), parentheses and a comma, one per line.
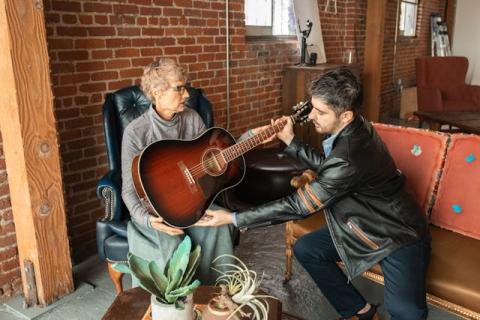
(161,311)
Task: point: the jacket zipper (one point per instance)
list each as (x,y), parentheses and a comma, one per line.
(340,253)
(360,234)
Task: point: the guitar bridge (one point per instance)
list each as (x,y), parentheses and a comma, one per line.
(187,175)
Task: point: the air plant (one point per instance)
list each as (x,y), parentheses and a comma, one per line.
(239,290)
(172,284)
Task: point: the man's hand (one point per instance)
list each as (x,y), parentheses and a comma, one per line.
(260,129)
(286,134)
(215,218)
(158,224)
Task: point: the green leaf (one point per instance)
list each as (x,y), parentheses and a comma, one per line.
(121,267)
(158,277)
(192,266)
(176,262)
(173,284)
(140,269)
(182,291)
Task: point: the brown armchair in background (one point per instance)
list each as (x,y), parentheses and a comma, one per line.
(441,85)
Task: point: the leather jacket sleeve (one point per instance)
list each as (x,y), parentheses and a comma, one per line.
(335,178)
(304,153)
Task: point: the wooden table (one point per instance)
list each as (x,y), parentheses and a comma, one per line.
(132,304)
(467,121)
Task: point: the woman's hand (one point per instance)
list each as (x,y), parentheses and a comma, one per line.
(158,224)
(215,218)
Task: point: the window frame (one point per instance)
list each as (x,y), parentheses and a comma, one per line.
(261,33)
(416,3)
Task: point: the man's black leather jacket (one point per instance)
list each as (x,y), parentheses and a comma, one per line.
(368,211)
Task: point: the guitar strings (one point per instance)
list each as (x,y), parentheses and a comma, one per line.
(200,168)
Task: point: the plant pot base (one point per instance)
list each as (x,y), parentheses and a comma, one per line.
(213,312)
(161,311)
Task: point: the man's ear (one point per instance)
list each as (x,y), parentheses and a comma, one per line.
(347,116)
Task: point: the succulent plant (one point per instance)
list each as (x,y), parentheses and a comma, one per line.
(239,289)
(172,284)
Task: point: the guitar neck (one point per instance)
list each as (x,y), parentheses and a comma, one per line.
(238,149)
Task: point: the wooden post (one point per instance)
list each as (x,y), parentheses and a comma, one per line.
(372,69)
(31,152)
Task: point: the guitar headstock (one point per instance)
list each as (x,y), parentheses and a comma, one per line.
(301,111)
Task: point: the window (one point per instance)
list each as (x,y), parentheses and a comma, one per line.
(269,17)
(408,18)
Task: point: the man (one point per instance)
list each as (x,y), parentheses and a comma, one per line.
(370,217)
(164,82)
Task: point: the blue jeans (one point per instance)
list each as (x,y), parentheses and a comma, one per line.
(404,271)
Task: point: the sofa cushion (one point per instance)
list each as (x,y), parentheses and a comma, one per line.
(419,155)
(453,273)
(456,207)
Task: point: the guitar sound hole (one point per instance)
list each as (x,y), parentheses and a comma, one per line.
(213,162)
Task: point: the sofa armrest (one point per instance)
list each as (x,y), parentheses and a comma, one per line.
(109,189)
(429,99)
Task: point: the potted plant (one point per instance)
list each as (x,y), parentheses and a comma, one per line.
(239,288)
(172,287)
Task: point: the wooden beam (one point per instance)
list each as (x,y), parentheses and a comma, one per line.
(31,151)
(372,68)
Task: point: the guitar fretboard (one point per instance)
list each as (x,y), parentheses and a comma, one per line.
(244,146)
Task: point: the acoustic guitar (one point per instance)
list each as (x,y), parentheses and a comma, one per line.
(179,179)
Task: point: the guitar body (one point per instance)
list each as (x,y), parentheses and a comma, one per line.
(179,179)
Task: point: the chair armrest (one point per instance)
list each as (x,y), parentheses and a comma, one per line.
(107,229)
(429,99)
(109,189)
(306,177)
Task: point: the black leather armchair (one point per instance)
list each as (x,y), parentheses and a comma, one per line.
(119,109)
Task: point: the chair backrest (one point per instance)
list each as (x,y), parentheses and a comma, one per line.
(125,105)
(441,72)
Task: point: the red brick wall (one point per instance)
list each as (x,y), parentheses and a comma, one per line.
(344,30)
(98,47)
(407,50)
(10,282)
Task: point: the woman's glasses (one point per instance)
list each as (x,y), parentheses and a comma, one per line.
(181,88)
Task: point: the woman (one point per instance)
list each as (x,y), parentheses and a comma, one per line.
(164,82)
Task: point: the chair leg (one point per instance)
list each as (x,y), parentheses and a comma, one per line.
(289,239)
(116,277)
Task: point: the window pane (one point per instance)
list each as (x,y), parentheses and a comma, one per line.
(408,18)
(283,18)
(258,12)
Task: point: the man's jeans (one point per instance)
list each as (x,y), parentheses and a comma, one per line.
(404,271)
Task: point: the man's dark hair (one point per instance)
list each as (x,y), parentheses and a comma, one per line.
(339,89)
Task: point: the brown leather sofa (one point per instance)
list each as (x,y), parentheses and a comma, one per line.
(443,173)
